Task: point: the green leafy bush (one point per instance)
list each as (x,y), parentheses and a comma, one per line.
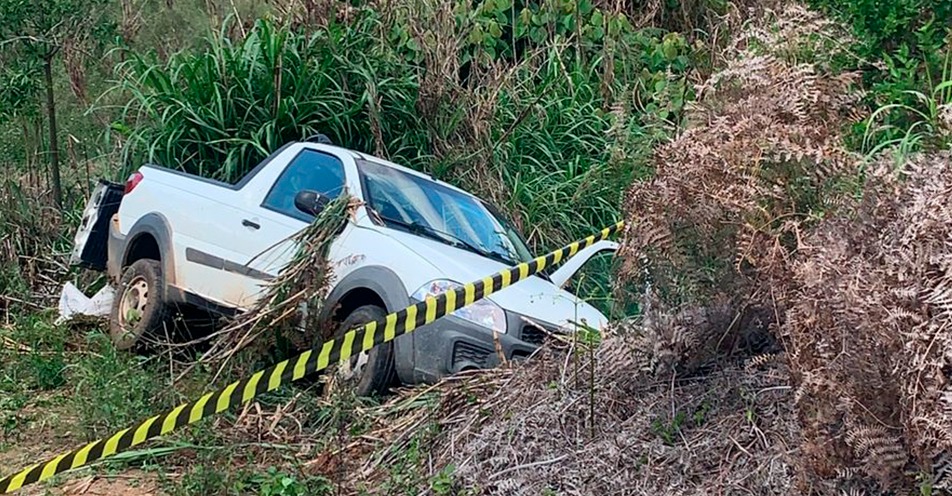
(903,46)
(887,27)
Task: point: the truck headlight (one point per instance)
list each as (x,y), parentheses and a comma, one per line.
(483,312)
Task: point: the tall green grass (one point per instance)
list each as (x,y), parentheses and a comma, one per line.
(552,137)
(218,111)
(564,153)
(929,119)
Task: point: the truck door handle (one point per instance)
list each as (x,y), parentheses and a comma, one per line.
(248,223)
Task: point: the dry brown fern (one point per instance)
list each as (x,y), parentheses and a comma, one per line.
(942,472)
(868,312)
(763,360)
(749,202)
(733,192)
(881,453)
(737,184)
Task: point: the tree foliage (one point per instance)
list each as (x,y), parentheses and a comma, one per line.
(42,26)
(39,29)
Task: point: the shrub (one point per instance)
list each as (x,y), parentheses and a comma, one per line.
(869,326)
(758,205)
(760,159)
(903,46)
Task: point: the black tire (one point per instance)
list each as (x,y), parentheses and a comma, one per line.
(379,373)
(139,309)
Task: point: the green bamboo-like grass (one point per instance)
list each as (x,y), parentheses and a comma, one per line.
(219,111)
(562,142)
(565,161)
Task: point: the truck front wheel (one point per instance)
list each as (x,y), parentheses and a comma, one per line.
(372,372)
(139,309)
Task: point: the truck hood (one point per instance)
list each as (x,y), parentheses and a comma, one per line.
(534,297)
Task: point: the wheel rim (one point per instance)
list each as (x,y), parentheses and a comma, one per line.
(346,375)
(353,369)
(132,305)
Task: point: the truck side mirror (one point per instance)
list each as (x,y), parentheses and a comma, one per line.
(310,202)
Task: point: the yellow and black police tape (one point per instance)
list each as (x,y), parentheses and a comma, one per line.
(354,341)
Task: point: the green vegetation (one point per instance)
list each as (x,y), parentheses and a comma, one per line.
(36,33)
(219,111)
(559,131)
(548,108)
(903,49)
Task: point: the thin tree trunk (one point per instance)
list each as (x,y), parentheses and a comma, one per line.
(37,136)
(54,141)
(25,127)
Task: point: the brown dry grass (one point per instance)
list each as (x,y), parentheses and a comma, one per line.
(30,271)
(529,429)
(132,483)
(651,434)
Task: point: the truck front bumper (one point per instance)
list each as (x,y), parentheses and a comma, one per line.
(451,345)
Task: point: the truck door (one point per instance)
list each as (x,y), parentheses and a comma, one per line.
(587,275)
(275,219)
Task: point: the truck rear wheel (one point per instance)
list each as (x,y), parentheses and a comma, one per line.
(369,373)
(139,309)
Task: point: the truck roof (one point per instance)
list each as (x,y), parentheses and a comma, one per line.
(310,145)
(386,163)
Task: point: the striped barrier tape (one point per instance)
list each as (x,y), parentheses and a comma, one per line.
(334,351)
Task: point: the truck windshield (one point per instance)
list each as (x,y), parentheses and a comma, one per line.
(426,208)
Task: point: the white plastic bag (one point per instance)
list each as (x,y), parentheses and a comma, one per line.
(73,303)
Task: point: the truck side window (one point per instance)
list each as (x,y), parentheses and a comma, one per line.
(309,170)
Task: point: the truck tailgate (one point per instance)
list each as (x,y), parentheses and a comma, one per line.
(89,245)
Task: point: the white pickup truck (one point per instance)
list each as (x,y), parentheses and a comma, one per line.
(167,238)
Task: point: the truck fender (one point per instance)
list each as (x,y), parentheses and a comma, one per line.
(390,289)
(157,226)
